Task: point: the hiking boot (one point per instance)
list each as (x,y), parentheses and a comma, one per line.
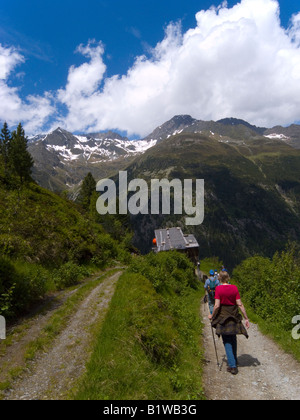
(233,371)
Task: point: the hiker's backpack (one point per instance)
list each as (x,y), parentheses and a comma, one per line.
(212,288)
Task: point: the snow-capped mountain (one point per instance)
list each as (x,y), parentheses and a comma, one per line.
(63,159)
(92,148)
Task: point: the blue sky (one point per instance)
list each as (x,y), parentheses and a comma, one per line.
(63,62)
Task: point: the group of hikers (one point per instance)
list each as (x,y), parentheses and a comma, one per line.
(224,302)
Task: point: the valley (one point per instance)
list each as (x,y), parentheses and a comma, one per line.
(62,159)
(53,246)
(251,176)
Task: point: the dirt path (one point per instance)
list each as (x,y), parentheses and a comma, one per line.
(265,371)
(52,375)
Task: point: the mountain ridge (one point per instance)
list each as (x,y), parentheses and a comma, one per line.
(225,127)
(252,187)
(63,159)
(252,193)
(182,123)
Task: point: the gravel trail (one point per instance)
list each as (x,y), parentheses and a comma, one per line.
(54,374)
(265,371)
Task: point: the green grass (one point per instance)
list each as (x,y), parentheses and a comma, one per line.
(208,264)
(60,318)
(141,353)
(270,291)
(48,243)
(52,329)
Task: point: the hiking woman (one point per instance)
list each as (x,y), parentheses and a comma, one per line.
(227,320)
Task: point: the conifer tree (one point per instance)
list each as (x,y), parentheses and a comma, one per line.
(87,189)
(5,139)
(19,157)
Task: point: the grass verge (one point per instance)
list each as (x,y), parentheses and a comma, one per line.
(49,332)
(149,347)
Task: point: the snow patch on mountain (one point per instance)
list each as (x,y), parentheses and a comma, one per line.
(94,149)
(277,136)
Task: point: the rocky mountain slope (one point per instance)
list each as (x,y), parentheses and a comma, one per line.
(252,178)
(252,192)
(229,128)
(62,159)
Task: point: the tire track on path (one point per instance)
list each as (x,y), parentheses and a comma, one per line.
(53,374)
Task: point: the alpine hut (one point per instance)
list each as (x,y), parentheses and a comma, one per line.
(173,238)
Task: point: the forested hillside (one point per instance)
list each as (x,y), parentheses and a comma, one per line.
(252,192)
(46,241)
(149,344)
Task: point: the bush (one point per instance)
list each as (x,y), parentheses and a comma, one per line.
(68,274)
(11,245)
(169,272)
(21,284)
(271,287)
(8,279)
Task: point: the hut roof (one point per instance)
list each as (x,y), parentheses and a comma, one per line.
(174,238)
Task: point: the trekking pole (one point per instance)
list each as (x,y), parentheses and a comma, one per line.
(212,331)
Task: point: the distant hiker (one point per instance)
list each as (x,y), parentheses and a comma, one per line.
(210,285)
(199,273)
(227,320)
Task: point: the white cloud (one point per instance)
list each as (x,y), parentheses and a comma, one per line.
(294,30)
(9,59)
(84,80)
(34,111)
(82,86)
(236,62)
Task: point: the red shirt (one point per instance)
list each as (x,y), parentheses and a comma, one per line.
(228,295)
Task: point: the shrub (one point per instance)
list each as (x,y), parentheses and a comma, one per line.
(68,274)
(169,272)
(21,284)
(8,279)
(272,287)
